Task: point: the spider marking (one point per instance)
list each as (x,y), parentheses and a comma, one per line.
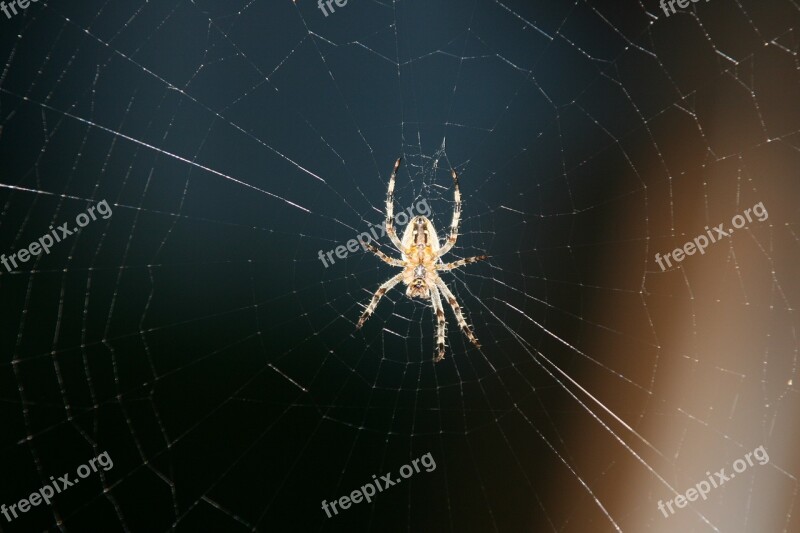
(421,260)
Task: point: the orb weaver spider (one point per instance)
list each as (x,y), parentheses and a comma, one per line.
(421,261)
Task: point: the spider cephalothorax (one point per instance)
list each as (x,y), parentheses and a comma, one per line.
(421,261)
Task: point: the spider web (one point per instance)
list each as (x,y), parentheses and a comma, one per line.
(197,337)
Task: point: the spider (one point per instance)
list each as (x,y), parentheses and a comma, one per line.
(421,261)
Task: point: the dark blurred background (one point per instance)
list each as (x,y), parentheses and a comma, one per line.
(197,338)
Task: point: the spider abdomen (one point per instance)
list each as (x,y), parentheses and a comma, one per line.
(420,273)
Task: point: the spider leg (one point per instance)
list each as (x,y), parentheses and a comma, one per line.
(461,262)
(377,297)
(451,299)
(390,208)
(438,309)
(451,240)
(385,258)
